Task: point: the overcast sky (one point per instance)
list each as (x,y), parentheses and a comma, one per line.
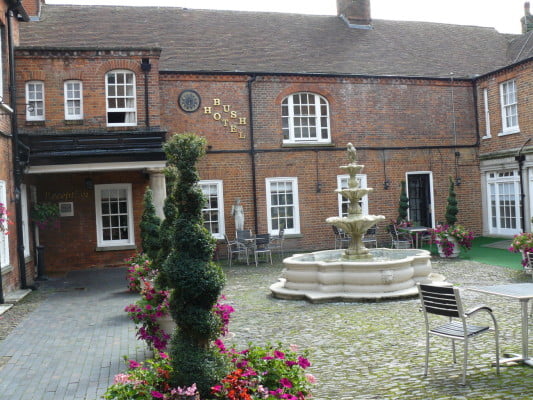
(504,15)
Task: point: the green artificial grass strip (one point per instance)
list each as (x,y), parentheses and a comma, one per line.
(489,255)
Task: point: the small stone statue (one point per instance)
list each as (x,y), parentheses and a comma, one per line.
(237,211)
(352,154)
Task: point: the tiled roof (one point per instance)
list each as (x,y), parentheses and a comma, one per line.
(229,41)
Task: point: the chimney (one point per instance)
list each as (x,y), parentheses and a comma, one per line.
(33,8)
(356,13)
(527,19)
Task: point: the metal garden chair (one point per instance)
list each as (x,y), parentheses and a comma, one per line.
(341,238)
(236,248)
(371,237)
(445,301)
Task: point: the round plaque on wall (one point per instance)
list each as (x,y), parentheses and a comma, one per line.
(189,101)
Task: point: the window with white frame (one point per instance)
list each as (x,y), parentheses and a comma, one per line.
(114,216)
(305,118)
(509,107)
(282,205)
(503,192)
(73,100)
(4,239)
(213,211)
(342,183)
(25,219)
(487,114)
(35,101)
(121,101)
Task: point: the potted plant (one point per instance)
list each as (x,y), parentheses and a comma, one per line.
(450,239)
(45,215)
(522,243)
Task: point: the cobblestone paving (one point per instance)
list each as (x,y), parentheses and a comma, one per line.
(375,350)
(369,350)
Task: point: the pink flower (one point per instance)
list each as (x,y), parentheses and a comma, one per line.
(163,355)
(294,348)
(303,362)
(310,378)
(285,383)
(157,395)
(279,354)
(134,364)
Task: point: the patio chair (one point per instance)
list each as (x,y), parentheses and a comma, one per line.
(341,238)
(371,237)
(445,301)
(276,242)
(236,248)
(400,240)
(262,248)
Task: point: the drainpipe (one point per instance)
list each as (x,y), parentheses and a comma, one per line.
(521,158)
(252,147)
(17,170)
(146,67)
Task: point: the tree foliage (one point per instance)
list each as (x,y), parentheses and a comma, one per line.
(195,280)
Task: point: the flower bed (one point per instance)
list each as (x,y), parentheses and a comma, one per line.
(146,312)
(140,271)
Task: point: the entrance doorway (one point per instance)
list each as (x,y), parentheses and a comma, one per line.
(420,194)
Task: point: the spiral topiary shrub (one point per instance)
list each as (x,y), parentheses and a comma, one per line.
(451,206)
(403,204)
(194,279)
(149,226)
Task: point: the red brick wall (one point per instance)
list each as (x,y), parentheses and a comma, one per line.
(90,68)
(524,81)
(72,245)
(371,113)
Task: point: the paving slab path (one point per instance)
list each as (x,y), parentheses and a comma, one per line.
(72,344)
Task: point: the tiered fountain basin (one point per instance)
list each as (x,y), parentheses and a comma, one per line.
(323,276)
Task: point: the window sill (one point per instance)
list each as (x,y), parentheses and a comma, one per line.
(486,137)
(292,236)
(509,132)
(306,144)
(116,248)
(7,269)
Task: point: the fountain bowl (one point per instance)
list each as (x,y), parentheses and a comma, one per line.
(323,276)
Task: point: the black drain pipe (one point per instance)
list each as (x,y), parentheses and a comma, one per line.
(521,158)
(252,147)
(17,170)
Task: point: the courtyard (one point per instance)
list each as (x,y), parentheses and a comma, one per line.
(70,345)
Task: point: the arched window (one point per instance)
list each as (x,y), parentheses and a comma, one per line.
(305,118)
(120,96)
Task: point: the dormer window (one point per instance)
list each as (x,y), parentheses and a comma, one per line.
(121,101)
(305,118)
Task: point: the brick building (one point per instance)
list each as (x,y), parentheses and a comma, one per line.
(278,97)
(16,266)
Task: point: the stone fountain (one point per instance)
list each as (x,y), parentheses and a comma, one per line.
(356,273)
